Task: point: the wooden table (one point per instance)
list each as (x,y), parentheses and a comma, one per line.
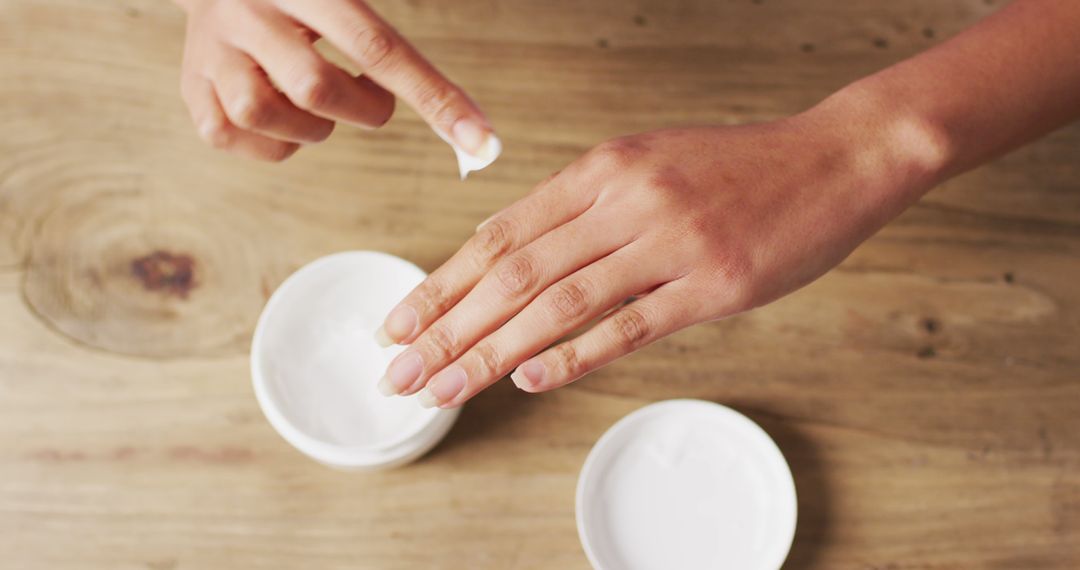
(926,392)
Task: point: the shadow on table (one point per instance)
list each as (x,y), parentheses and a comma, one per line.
(486,413)
(811,487)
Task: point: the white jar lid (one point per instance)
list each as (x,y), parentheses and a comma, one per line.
(315,364)
(686,484)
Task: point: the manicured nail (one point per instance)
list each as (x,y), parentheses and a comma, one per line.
(382,338)
(476,139)
(490,150)
(443,387)
(426,398)
(529,375)
(400,324)
(385,387)
(481,225)
(404,370)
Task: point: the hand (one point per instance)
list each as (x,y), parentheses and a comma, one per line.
(255,84)
(696,224)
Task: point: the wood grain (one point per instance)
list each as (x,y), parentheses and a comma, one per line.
(926,393)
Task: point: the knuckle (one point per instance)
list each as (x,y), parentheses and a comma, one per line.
(252,111)
(373,46)
(567,359)
(492,242)
(440,344)
(735,274)
(569,301)
(516,275)
(216,132)
(432,297)
(666,185)
(615,155)
(489,362)
(630,327)
(700,226)
(313,91)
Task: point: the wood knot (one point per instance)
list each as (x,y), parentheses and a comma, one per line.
(164,271)
(931,325)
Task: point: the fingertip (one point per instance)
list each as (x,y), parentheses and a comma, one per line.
(377,106)
(323,132)
(490,149)
(386,388)
(400,324)
(426,398)
(382,338)
(521,382)
(444,388)
(216,131)
(530,376)
(476,138)
(282,153)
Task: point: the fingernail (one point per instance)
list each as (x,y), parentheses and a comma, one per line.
(491,149)
(477,139)
(426,398)
(382,338)
(529,375)
(399,325)
(385,387)
(443,387)
(485,222)
(404,370)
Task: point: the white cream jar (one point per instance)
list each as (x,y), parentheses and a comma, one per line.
(315,364)
(686,484)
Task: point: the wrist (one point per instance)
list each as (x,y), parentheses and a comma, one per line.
(900,152)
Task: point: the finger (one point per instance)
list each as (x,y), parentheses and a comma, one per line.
(214,126)
(557,203)
(667,309)
(534,190)
(284,50)
(384,55)
(500,294)
(560,309)
(252,103)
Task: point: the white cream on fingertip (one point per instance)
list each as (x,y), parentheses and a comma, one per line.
(467,162)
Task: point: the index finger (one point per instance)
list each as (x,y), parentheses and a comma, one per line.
(391,61)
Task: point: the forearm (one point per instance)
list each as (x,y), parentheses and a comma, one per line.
(1009,79)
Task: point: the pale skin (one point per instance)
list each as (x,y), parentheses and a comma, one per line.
(255,85)
(688,225)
